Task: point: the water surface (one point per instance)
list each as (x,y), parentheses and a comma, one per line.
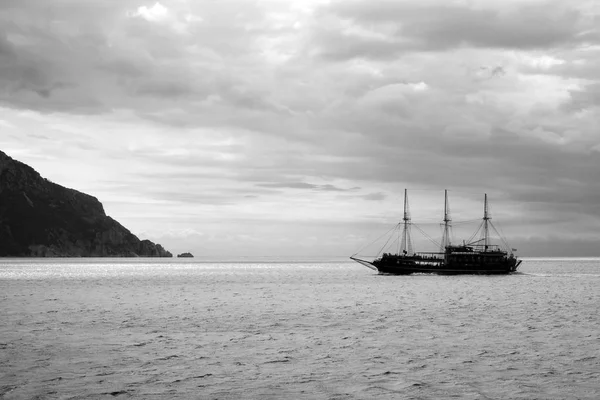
(151,328)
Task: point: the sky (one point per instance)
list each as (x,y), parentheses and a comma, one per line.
(283,128)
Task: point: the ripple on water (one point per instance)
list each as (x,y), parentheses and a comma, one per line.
(150,329)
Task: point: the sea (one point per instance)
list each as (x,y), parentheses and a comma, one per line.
(274,329)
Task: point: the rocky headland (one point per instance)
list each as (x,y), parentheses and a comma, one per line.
(39,218)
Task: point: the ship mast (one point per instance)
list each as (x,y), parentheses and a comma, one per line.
(447,219)
(486,219)
(406,245)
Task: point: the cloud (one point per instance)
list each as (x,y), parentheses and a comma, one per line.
(83,64)
(6,124)
(375,196)
(586,97)
(387,29)
(157,12)
(304,185)
(323,112)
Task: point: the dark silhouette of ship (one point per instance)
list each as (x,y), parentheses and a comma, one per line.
(477,257)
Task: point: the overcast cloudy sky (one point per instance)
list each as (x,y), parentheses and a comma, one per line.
(238,127)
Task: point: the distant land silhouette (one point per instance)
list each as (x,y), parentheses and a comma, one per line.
(185,255)
(39,218)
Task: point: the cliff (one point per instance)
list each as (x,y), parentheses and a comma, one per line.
(39,218)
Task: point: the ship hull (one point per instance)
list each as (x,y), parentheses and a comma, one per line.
(407,270)
(407,267)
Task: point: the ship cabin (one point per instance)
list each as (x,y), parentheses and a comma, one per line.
(414,256)
(475,255)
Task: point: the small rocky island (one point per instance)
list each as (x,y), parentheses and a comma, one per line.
(185,255)
(39,218)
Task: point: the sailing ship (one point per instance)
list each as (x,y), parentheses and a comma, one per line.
(476,257)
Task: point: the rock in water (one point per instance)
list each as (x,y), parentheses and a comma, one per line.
(39,218)
(185,255)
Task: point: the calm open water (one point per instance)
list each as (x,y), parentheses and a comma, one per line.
(153,329)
